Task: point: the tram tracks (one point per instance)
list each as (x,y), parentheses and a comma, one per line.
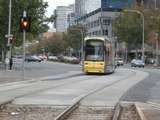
(29,88)
(76,104)
(77,101)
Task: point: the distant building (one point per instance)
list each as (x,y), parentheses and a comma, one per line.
(149,3)
(62,12)
(48,35)
(71,19)
(97,15)
(83,7)
(152,3)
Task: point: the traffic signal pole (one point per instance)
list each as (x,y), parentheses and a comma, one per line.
(9,53)
(24,50)
(24,55)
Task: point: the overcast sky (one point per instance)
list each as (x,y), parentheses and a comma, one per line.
(54,3)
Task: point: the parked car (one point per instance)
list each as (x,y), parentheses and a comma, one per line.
(137,63)
(54,58)
(119,61)
(43,57)
(32,59)
(72,60)
(150,61)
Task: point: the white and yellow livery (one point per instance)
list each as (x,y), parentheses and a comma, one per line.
(98,55)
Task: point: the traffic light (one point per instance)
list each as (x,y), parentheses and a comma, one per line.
(25,24)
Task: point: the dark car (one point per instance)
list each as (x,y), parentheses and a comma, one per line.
(137,63)
(32,59)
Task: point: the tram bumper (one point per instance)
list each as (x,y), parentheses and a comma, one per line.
(94,67)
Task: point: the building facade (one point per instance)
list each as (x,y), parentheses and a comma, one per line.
(149,3)
(152,3)
(61,22)
(97,15)
(83,7)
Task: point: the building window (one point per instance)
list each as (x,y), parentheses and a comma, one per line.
(105,32)
(106,22)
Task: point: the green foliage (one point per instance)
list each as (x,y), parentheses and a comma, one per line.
(36,10)
(55,45)
(128,29)
(3,22)
(153,20)
(59,42)
(75,35)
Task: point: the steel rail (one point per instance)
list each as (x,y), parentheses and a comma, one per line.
(75,105)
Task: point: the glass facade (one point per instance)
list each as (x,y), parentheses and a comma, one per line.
(83,7)
(91,6)
(116,4)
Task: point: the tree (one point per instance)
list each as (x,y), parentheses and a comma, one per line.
(75,35)
(153,28)
(36,10)
(153,22)
(128,29)
(55,45)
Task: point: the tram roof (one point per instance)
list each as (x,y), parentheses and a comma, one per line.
(97,37)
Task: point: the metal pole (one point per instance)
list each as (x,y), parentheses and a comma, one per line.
(9,21)
(82,45)
(9,31)
(143,49)
(157,52)
(157,43)
(155,4)
(101,21)
(24,52)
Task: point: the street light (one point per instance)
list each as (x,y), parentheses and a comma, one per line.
(138,12)
(9,36)
(155,4)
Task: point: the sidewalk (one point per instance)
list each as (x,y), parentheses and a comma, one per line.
(153,66)
(7,76)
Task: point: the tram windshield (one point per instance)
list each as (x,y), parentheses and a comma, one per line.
(94,50)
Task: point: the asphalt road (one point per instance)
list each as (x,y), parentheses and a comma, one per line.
(104,90)
(35,70)
(148,90)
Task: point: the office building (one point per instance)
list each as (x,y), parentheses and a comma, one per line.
(152,3)
(149,3)
(61,22)
(97,15)
(83,7)
(71,19)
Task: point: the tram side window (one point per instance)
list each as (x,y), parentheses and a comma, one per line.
(107,53)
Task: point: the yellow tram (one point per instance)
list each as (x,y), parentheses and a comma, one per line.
(98,55)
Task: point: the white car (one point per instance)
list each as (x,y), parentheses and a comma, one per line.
(119,61)
(52,58)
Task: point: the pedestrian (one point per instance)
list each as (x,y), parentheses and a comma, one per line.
(10,63)
(6,63)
